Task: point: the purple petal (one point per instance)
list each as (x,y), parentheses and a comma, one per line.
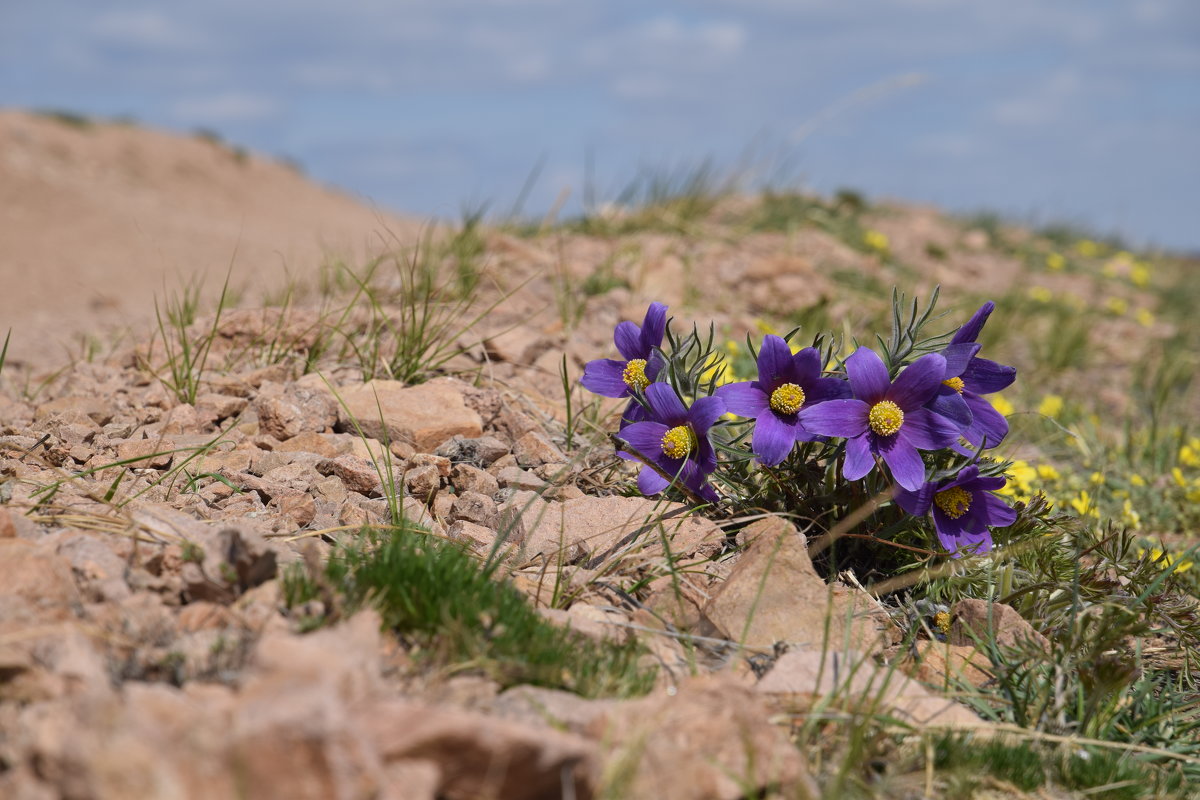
(650,482)
(904,461)
(628,338)
(984,376)
(868,376)
(634,412)
(988,484)
(704,413)
(654,365)
(705,456)
(822,389)
(744,399)
(918,382)
(986,422)
(927,431)
(859,459)
(916,503)
(645,437)
(996,511)
(665,405)
(969,332)
(948,530)
(605,377)
(697,480)
(958,356)
(653,327)
(846,418)
(774,362)
(773,439)
(966,475)
(806,367)
(950,404)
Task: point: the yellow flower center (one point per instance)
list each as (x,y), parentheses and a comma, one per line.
(635,375)
(885,418)
(787,399)
(941,621)
(953,502)
(678,442)
(954,383)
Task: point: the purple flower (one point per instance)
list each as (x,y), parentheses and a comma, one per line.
(968,377)
(963,509)
(884,418)
(676,439)
(786,384)
(637,368)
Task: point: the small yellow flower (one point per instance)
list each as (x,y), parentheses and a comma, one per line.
(1131,516)
(1001,405)
(1189,454)
(1144,317)
(1117,306)
(1177,474)
(1047,473)
(1055,262)
(1051,406)
(732,347)
(1137,480)
(1139,273)
(1082,503)
(1087,248)
(1040,294)
(877,241)
(765,327)
(1097,478)
(1163,559)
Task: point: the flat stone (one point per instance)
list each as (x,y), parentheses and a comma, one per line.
(774,595)
(974,621)
(424,416)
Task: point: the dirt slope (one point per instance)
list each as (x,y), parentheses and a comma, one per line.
(95,218)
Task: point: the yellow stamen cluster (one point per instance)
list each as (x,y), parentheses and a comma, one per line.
(953,502)
(678,442)
(635,375)
(787,399)
(885,418)
(941,621)
(954,383)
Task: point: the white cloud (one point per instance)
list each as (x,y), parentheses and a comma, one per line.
(147,29)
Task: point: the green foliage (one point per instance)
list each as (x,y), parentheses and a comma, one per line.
(186,352)
(442,603)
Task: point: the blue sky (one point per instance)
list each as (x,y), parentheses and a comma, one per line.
(1085,112)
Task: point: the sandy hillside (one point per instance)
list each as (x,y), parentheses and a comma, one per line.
(96,218)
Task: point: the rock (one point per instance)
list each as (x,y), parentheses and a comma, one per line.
(291,410)
(97,408)
(468,478)
(607,528)
(221,564)
(480,756)
(153,453)
(558,709)
(100,570)
(520,479)
(774,595)
(475,507)
(423,416)
(219,406)
(516,345)
(944,665)
(36,586)
(440,463)
(802,678)
(973,622)
(480,452)
(712,739)
(311,442)
(480,538)
(358,474)
(534,449)
(423,481)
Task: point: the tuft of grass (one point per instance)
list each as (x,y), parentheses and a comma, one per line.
(460,614)
(186,356)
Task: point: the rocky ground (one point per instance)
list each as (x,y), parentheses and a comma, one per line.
(146,645)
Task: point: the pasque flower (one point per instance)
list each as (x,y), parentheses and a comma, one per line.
(964,510)
(885,418)
(967,378)
(675,438)
(636,369)
(786,384)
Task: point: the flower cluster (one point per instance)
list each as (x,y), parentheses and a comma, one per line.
(918,427)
